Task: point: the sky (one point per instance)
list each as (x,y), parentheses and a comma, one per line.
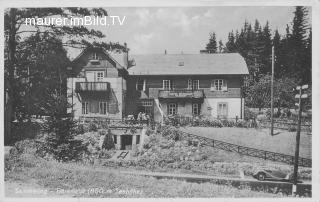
(186,29)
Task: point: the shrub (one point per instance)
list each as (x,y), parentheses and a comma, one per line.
(108,139)
(228,123)
(292,128)
(60,140)
(26,146)
(248,114)
(149,141)
(217,123)
(14,162)
(166,144)
(79,129)
(93,127)
(241,124)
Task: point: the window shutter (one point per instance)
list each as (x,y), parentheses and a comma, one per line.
(189,84)
(177,108)
(224,86)
(171,84)
(226,114)
(213,87)
(144,84)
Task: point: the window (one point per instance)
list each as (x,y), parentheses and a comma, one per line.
(99,75)
(146,106)
(95,56)
(196,109)
(141,85)
(195,84)
(102,107)
(138,139)
(219,85)
(172,109)
(166,85)
(85,107)
(222,110)
(95,63)
(146,103)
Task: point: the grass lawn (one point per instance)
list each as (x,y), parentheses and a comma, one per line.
(88,181)
(283,142)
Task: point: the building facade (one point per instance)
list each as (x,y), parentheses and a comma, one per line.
(208,85)
(97,85)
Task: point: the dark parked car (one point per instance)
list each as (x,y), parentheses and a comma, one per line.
(273,175)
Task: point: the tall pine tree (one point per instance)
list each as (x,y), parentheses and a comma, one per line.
(230,45)
(212,45)
(299,45)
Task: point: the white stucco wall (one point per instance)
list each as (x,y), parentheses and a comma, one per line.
(116,85)
(210,107)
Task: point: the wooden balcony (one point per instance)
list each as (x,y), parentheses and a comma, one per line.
(181,93)
(92,86)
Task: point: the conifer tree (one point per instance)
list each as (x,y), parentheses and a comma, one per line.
(299,43)
(230,45)
(212,45)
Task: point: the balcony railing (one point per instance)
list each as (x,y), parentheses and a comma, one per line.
(181,93)
(92,86)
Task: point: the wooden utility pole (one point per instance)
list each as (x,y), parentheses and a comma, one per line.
(299,96)
(272,78)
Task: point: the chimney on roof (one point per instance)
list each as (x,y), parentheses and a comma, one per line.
(126,56)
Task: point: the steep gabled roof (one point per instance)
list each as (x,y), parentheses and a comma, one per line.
(189,64)
(78,63)
(110,55)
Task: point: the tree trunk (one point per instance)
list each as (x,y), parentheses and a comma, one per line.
(9,109)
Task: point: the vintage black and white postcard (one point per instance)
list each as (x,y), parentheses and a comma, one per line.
(195,99)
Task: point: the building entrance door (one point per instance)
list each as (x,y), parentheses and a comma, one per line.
(126,142)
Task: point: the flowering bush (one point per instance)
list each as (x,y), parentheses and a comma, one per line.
(208,122)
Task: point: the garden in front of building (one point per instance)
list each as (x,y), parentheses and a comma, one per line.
(162,150)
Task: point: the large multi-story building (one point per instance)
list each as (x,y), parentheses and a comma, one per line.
(97,85)
(102,85)
(187,84)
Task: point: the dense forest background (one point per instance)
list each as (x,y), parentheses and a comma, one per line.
(292,51)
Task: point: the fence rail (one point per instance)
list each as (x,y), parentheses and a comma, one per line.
(284,125)
(266,155)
